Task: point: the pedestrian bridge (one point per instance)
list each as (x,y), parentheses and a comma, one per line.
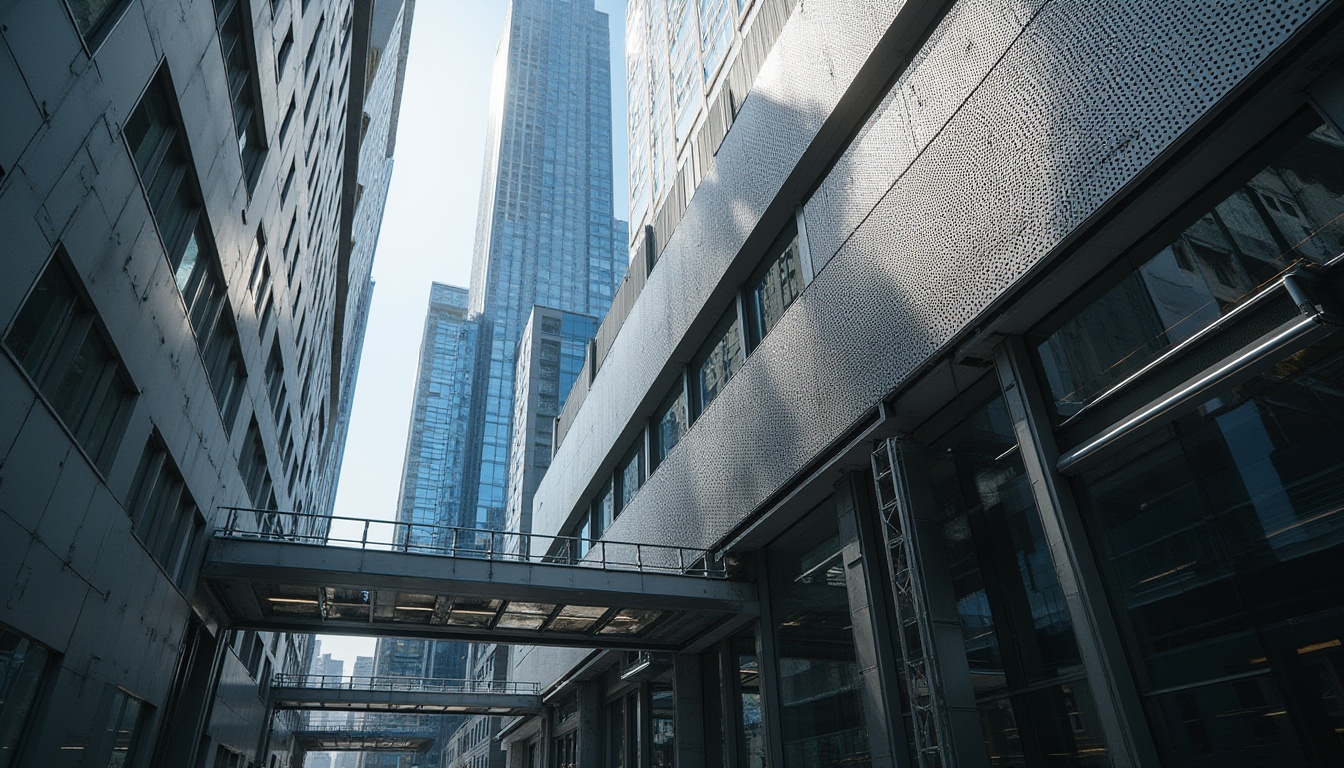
(369,733)
(288,572)
(361,693)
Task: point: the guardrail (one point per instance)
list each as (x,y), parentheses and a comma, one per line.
(451,541)
(397,683)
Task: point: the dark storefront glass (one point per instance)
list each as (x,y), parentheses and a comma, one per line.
(1289,213)
(22,664)
(1222,538)
(616,734)
(661,732)
(822,713)
(1035,707)
(750,720)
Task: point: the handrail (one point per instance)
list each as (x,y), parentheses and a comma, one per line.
(454,541)
(401,683)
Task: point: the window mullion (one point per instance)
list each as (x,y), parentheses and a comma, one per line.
(1120,710)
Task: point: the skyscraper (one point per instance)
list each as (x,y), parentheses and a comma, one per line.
(545,231)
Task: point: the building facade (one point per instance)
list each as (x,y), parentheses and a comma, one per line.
(998,345)
(545,231)
(182,308)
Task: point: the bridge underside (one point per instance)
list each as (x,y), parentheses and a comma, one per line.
(371,740)
(418,702)
(272,585)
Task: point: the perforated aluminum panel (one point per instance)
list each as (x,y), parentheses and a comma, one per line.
(1011,128)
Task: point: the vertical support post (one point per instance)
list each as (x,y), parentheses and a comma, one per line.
(688,729)
(364,540)
(767,650)
(590,722)
(947,731)
(868,618)
(1119,707)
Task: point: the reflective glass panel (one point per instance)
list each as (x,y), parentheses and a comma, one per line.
(822,712)
(1291,212)
(1222,538)
(22,664)
(773,292)
(1014,621)
(719,359)
(669,424)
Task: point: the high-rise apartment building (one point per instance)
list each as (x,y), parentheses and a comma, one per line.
(689,66)
(190,194)
(1000,347)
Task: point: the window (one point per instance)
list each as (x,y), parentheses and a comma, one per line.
(773,290)
(58,340)
(123,728)
(275,376)
(155,137)
(289,184)
(282,56)
(254,468)
(257,257)
(234,43)
(1207,269)
(164,515)
(95,18)
(204,293)
(719,359)
(604,511)
(289,119)
(23,665)
(629,475)
(670,422)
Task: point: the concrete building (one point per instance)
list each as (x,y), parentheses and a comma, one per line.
(186,276)
(998,345)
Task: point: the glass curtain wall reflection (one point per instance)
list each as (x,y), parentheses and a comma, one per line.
(820,707)
(1222,538)
(1035,705)
(1290,213)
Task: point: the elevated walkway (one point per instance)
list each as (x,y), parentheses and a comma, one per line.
(355,693)
(363,734)
(286,572)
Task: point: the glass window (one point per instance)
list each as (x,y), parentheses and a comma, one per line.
(23,665)
(629,475)
(123,729)
(95,17)
(604,510)
(616,734)
(746,694)
(165,517)
(822,711)
(1024,663)
(670,422)
(234,44)
(1287,214)
(720,358)
(59,342)
(1221,539)
(771,292)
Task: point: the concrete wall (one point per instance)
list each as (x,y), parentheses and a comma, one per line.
(76,578)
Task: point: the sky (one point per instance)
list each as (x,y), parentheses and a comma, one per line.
(428,232)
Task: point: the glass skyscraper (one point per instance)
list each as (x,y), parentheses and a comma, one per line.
(545,231)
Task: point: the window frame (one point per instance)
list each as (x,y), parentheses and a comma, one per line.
(657,453)
(79,323)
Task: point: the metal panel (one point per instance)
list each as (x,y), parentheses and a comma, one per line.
(1081,102)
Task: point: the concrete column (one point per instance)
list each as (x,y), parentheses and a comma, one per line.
(870,624)
(1119,707)
(590,722)
(689,715)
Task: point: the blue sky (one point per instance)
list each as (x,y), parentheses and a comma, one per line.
(429,228)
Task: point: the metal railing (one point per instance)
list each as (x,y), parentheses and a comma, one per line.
(395,683)
(451,541)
